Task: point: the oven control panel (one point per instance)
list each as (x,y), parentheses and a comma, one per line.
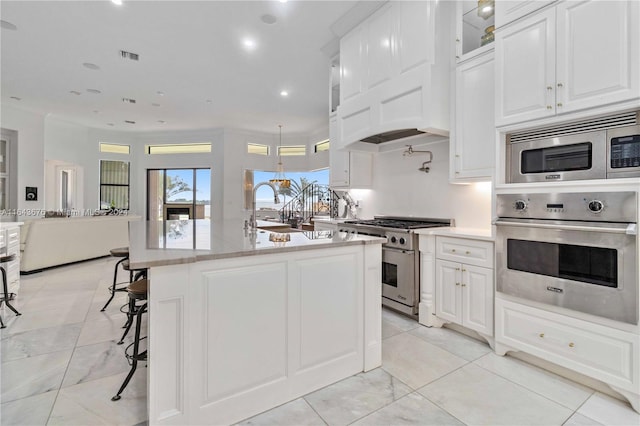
(587,206)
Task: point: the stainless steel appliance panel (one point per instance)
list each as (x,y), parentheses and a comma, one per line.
(571,157)
(623,152)
(617,301)
(398,275)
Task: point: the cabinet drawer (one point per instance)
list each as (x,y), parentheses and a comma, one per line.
(472,252)
(601,352)
(13,236)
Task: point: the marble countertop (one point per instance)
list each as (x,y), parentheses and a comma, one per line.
(173,242)
(472,233)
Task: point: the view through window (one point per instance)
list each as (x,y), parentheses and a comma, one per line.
(264,196)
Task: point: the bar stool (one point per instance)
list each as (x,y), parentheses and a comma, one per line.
(6,296)
(137,291)
(122,252)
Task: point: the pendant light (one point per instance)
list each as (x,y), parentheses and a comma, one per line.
(279,179)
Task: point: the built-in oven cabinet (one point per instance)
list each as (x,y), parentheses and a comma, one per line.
(464,283)
(545,62)
(604,353)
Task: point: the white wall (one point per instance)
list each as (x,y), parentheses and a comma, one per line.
(30,146)
(400,189)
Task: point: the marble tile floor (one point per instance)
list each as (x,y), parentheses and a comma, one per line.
(60,366)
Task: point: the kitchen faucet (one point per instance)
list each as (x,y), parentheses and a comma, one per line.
(276,200)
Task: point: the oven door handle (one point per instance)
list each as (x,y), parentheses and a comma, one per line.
(622,228)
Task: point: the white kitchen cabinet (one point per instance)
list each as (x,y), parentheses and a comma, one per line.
(525,69)
(510,10)
(464,291)
(475,24)
(348,169)
(395,73)
(473,139)
(10,239)
(598,351)
(571,57)
(351,64)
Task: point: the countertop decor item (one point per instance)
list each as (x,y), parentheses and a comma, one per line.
(280,180)
(488,35)
(486,8)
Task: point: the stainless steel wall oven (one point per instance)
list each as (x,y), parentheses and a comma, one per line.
(573,250)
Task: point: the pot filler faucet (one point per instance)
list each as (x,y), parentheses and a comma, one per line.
(276,200)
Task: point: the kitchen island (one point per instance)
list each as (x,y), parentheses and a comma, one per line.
(239,324)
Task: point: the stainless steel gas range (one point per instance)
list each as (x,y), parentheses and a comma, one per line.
(400,256)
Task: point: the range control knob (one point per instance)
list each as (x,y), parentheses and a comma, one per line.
(595,206)
(520,205)
(402,241)
(393,239)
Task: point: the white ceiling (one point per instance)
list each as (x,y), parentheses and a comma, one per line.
(190,50)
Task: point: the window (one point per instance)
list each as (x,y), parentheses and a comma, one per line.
(185,148)
(114,148)
(254,148)
(322,146)
(292,150)
(114,184)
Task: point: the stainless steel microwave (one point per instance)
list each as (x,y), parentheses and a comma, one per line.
(601,154)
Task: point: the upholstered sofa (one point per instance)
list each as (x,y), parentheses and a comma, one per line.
(60,240)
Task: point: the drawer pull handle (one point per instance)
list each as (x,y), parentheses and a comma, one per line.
(467,252)
(541,335)
(464,285)
(453,250)
(571,345)
(464,270)
(549,107)
(457,269)
(457,283)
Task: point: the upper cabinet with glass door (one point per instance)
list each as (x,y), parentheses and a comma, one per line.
(474,28)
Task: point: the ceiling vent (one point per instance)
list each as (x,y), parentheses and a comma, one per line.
(129,122)
(128,101)
(129,55)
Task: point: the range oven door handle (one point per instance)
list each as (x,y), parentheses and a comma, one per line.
(612,228)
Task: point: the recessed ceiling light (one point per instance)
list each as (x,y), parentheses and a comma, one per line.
(74,92)
(129,121)
(268,19)
(118,2)
(249,44)
(16,98)
(160,93)
(94,91)
(110,124)
(284,93)
(6,25)
(128,101)
(155,105)
(90,66)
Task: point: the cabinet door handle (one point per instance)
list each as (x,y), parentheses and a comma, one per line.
(457,156)
(458,40)
(457,283)
(541,335)
(453,250)
(571,345)
(457,269)
(464,285)
(464,270)
(467,252)
(549,88)
(559,105)
(549,107)
(560,85)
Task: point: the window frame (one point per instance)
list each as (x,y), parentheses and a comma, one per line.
(127,185)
